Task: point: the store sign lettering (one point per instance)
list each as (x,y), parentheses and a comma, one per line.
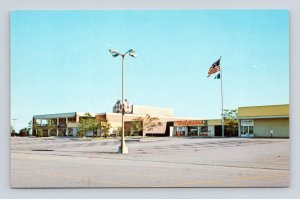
(190,123)
(247,123)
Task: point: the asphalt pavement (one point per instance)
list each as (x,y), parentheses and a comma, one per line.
(151,162)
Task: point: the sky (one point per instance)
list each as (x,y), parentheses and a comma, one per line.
(60,60)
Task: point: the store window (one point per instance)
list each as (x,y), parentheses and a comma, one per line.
(247,128)
(193,131)
(180,131)
(251,130)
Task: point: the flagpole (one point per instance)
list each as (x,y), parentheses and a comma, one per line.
(222,99)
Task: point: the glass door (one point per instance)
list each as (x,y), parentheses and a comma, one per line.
(247,131)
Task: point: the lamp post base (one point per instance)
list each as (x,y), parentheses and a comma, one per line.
(123,149)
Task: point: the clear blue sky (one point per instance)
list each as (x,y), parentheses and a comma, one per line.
(60,60)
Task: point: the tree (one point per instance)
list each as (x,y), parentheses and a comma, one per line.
(105,126)
(87,124)
(24,132)
(146,123)
(136,127)
(230,121)
(118,131)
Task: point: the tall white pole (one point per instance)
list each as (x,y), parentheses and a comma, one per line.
(123,148)
(222,98)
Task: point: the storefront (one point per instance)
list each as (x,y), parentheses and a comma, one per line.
(190,128)
(247,128)
(264,121)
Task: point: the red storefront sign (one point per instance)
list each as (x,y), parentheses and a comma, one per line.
(190,123)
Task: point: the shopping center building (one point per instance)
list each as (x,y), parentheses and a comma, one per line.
(255,121)
(59,124)
(264,121)
(66,124)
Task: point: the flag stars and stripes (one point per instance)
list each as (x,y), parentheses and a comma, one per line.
(215,67)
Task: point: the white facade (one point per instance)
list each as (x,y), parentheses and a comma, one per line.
(211,131)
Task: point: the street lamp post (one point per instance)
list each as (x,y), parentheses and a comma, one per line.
(123,149)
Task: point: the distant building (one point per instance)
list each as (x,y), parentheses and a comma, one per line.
(61,124)
(66,124)
(254,121)
(264,121)
(165,115)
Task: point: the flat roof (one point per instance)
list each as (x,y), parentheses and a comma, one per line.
(171,118)
(140,115)
(62,115)
(269,111)
(152,110)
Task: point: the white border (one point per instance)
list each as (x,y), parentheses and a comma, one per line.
(245,193)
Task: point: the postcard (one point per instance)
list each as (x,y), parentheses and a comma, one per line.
(149,98)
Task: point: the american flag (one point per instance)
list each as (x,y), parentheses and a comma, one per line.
(215,67)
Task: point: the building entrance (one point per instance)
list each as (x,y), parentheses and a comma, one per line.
(191,128)
(247,128)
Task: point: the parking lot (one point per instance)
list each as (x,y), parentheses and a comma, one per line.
(151,162)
